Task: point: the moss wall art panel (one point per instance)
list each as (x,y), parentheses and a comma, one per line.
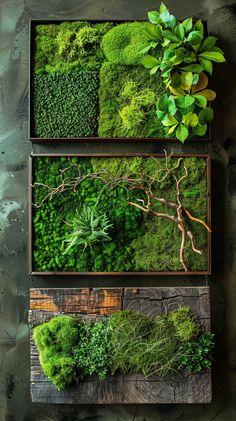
(130,214)
(119,80)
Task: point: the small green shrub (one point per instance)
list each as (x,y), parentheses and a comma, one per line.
(69,46)
(66,105)
(127,98)
(196,355)
(185,327)
(92,355)
(87,227)
(122,44)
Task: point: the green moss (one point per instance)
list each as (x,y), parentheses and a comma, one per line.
(138,242)
(127,97)
(69,46)
(122,44)
(66,105)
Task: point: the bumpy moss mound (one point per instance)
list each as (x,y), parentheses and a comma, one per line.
(66,105)
(127,97)
(138,242)
(69,46)
(123,43)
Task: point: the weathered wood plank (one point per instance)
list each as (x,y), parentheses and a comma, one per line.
(88,303)
(84,300)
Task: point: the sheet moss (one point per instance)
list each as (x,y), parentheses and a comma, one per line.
(115,102)
(139,242)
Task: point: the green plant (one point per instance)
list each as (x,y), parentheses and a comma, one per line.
(184,46)
(184,115)
(196,355)
(92,355)
(185,327)
(66,105)
(127,102)
(87,227)
(185,54)
(122,43)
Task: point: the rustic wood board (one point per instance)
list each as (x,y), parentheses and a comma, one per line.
(98,302)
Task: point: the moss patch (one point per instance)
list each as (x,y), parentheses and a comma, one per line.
(115,101)
(123,43)
(66,105)
(138,242)
(69,46)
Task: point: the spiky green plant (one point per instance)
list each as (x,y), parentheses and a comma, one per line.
(87,227)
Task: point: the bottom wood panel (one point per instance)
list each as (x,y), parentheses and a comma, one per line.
(47,303)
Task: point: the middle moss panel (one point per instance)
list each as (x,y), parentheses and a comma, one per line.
(120,214)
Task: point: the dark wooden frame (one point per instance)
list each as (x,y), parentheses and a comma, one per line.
(90,304)
(113,155)
(103,141)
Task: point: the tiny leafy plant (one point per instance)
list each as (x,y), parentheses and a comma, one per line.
(73,348)
(196,355)
(185,55)
(87,227)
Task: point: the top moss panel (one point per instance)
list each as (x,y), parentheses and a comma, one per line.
(88,80)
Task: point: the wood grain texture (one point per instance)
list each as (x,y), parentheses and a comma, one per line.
(95,304)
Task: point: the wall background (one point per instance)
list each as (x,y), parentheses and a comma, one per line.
(15,404)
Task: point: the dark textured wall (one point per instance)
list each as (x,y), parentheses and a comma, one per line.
(15,402)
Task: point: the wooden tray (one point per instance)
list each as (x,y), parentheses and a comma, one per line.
(47,303)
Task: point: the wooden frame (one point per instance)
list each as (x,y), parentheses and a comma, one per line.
(103,141)
(48,303)
(30,220)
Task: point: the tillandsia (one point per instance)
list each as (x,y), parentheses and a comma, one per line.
(147,200)
(87,227)
(73,348)
(185,54)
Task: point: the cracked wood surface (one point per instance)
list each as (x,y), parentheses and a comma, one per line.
(97,303)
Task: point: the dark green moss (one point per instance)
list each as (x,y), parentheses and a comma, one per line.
(139,117)
(69,46)
(138,242)
(123,43)
(66,105)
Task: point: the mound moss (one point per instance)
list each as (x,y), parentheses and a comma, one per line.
(123,43)
(138,242)
(66,105)
(69,46)
(127,97)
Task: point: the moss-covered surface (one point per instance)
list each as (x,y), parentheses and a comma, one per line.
(138,242)
(67,82)
(66,105)
(116,102)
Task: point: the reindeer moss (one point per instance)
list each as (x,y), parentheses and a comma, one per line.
(139,242)
(126,112)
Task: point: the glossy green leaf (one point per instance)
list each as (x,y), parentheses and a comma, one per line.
(163,8)
(186,80)
(195,68)
(188,24)
(154,17)
(206,65)
(201,101)
(200,130)
(184,101)
(190,119)
(206,115)
(213,55)
(154,31)
(149,61)
(182,133)
(208,43)
(179,31)
(169,120)
(194,37)
(154,70)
